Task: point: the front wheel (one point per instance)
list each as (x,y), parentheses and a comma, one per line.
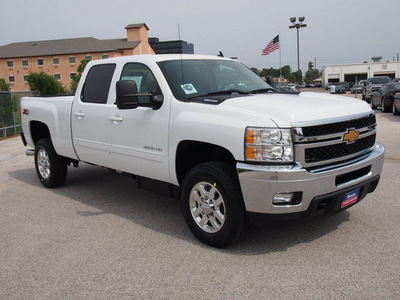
(50,167)
(212,204)
(373,106)
(384,106)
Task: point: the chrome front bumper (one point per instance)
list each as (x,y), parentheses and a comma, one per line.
(260,183)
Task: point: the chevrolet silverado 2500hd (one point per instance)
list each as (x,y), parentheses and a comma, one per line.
(211,131)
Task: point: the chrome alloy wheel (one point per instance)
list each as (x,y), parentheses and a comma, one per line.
(43,162)
(207,207)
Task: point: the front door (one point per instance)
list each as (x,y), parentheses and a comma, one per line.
(138,138)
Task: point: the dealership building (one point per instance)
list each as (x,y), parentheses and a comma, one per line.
(353,72)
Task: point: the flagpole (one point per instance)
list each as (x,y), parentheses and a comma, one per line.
(280,60)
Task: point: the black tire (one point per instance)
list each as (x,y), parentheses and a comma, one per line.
(51,168)
(395,111)
(385,108)
(373,106)
(216,216)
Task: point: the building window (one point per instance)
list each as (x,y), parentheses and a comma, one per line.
(11,78)
(72,60)
(25,62)
(57,76)
(104,56)
(10,63)
(89,57)
(72,76)
(40,62)
(25,78)
(56,61)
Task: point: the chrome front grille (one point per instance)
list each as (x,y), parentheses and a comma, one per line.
(311,131)
(319,145)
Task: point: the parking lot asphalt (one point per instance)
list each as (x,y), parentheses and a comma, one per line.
(98,237)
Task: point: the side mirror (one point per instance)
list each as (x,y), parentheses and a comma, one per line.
(129,98)
(127,94)
(270,81)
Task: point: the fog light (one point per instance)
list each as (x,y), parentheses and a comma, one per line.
(282,198)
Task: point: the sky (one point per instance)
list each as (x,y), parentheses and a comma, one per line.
(337,32)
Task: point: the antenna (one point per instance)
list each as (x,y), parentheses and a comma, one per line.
(180,54)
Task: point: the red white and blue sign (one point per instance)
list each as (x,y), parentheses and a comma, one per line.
(350,198)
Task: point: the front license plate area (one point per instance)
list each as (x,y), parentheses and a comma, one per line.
(350,198)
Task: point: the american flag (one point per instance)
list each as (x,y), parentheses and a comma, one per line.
(272,46)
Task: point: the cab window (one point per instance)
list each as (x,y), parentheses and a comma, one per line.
(97,84)
(142,75)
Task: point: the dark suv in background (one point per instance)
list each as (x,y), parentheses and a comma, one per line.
(372,85)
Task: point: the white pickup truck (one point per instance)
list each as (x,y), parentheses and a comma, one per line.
(211,132)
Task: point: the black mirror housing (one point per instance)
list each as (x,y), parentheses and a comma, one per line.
(129,98)
(127,94)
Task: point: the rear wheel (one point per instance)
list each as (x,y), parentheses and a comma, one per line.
(50,167)
(212,204)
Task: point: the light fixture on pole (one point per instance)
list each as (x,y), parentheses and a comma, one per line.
(298,26)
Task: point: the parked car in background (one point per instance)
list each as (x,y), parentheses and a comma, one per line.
(292,87)
(357,88)
(373,84)
(396,104)
(340,89)
(384,96)
(345,84)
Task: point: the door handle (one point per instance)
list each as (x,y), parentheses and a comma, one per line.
(116,120)
(79,115)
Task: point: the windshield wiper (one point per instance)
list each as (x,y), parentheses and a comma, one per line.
(227,92)
(259,91)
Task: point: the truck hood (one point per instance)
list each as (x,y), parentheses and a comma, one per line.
(286,109)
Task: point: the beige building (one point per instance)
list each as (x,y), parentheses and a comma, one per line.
(61,58)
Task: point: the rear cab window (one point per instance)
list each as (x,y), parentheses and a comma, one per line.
(97,84)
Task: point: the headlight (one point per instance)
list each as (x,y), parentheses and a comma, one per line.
(268,145)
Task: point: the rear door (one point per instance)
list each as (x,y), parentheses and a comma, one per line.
(89,116)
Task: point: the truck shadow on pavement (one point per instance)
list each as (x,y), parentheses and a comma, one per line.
(110,193)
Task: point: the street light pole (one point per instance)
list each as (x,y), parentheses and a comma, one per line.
(298,26)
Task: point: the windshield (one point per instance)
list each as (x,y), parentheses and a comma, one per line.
(380,80)
(202,77)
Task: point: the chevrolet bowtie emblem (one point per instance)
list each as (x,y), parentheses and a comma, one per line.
(351,136)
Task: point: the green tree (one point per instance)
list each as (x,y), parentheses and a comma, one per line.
(286,70)
(4,87)
(81,68)
(291,77)
(44,84)
(312,73)
(273,72)
(255,70)
(6,106)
